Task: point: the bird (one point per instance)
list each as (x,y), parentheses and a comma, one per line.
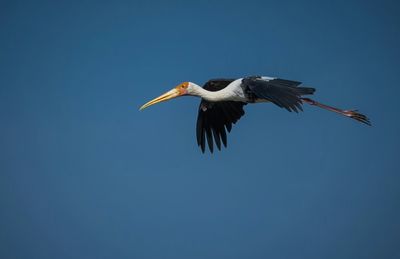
(222,102)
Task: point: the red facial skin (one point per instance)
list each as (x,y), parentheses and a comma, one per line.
(182,88)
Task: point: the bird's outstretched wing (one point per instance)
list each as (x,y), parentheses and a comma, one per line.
(214,117)
(284,93)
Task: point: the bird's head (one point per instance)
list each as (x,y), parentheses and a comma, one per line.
(184,88)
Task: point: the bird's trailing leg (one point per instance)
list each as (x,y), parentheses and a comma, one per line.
(348,113)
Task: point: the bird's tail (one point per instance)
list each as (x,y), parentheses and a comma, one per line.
(305,90)
(354,114)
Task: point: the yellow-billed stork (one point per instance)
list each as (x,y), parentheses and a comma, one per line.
(222,102)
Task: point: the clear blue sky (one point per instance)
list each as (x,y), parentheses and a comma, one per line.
(84,174)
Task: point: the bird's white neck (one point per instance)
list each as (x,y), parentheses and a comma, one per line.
(210,96)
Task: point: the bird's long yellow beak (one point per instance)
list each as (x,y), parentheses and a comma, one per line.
(165,97)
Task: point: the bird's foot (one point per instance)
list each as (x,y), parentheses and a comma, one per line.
(354,114)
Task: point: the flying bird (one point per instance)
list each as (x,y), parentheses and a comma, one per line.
(222,102)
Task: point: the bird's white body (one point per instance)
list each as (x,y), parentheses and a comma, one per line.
(233,92)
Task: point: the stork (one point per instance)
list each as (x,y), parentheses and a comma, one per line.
(222,102)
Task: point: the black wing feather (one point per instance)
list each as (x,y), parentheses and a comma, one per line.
(214,118)
(284,93)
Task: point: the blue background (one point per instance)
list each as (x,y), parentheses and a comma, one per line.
(84,174)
